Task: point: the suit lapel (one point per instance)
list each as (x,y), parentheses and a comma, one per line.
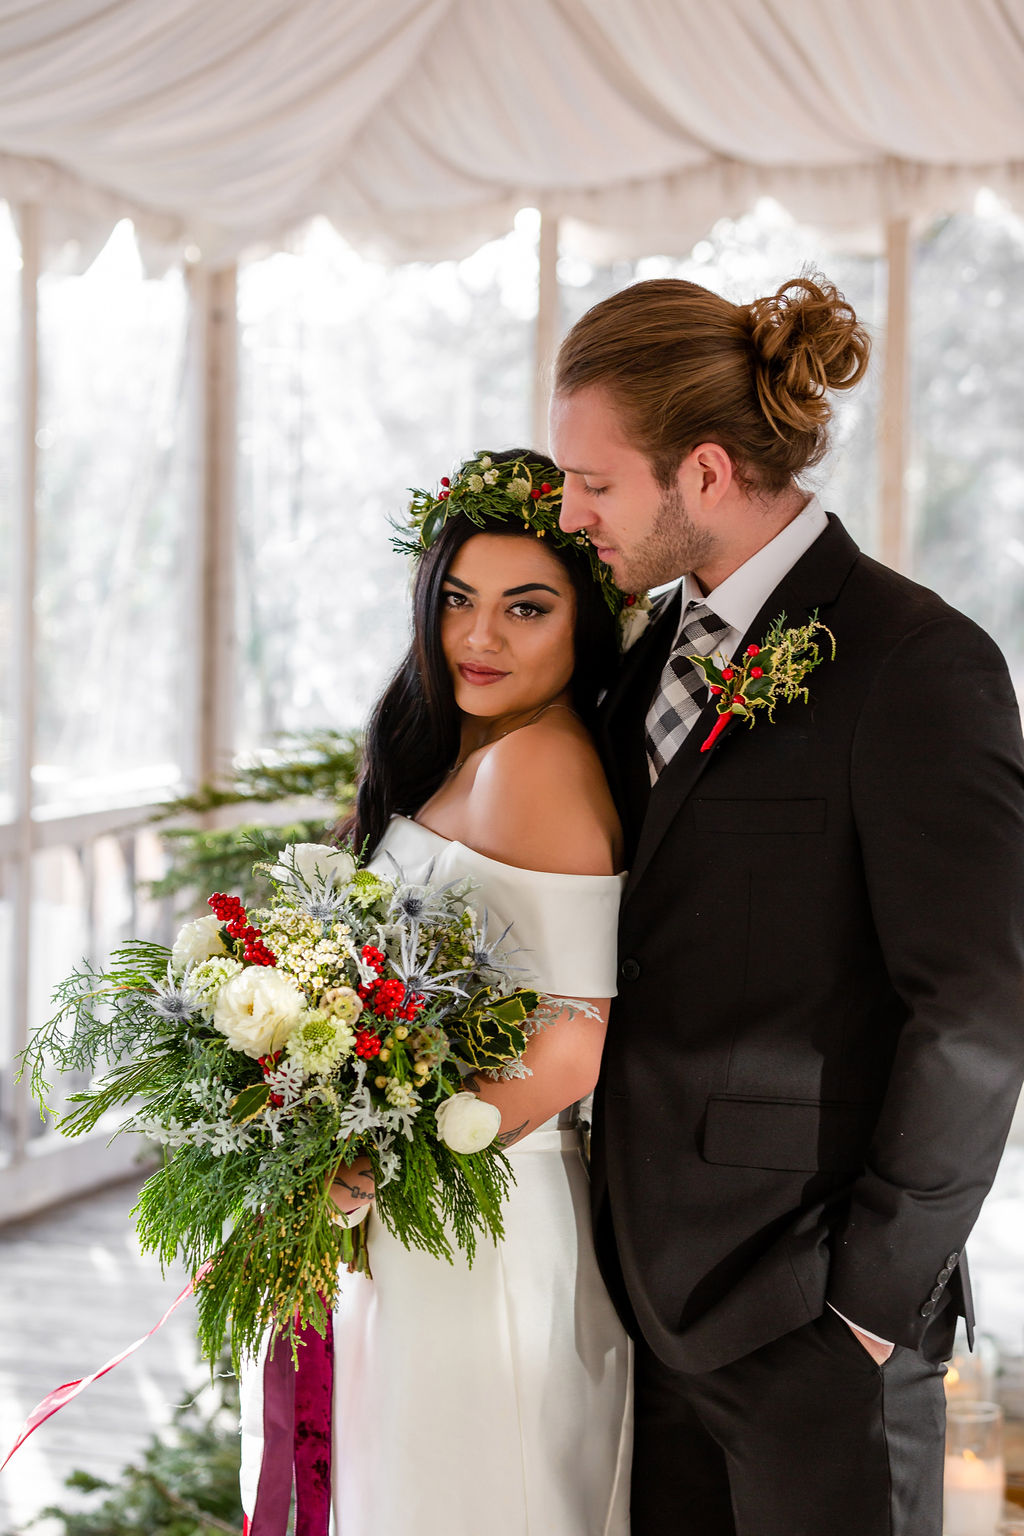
(621,717)
(814,582)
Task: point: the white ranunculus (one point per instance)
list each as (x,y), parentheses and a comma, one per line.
(316,863)
(197,941)
(257,1010)
(466,1123)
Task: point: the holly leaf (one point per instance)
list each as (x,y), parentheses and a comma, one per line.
(252,1101)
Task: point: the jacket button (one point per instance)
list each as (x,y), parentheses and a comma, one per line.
(630,969)
(928,1309)
(952,1259)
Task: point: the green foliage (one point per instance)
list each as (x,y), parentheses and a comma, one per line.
(185,1485)
(100,1016)
(320,765)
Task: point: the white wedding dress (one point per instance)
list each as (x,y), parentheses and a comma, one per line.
(493,1400)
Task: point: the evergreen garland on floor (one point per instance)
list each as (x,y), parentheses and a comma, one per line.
(185,1485)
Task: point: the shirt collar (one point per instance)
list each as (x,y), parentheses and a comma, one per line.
(740,597)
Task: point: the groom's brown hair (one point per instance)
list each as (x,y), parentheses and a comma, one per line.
(685,366)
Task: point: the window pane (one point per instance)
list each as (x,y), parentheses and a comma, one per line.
(7,1067)
(113,598)
(10,272)
(358,380)
(967,346)
(744,259)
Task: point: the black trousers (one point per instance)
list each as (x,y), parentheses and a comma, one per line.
(805,1437)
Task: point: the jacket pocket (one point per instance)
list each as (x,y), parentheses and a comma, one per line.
(792,1135)
(751,817)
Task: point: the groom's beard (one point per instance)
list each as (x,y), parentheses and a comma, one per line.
(673,546)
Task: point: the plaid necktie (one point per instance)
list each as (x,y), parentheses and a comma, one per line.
(676,705)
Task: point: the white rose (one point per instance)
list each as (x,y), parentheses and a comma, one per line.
(316,863)
(257,1010)
(466,1123)
(633,622)
(197,942)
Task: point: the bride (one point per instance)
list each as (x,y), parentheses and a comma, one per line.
(495,1397)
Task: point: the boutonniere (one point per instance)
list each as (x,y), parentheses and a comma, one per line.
(633,620)
(766,673)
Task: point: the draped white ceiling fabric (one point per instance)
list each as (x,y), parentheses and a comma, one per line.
(420,126)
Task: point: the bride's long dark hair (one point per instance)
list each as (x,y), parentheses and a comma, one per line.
(413,736)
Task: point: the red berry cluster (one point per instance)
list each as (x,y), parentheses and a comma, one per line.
(232,914)
(387,999)
(373,957)
(367,1044)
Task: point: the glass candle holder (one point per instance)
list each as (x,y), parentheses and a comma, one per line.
(975,1475)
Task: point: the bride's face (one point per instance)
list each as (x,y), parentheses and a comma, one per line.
(508,614)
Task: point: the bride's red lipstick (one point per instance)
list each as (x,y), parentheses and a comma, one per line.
(478,675)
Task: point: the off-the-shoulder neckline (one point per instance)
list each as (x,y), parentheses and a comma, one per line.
(540,874)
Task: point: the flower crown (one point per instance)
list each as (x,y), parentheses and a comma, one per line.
(514,489)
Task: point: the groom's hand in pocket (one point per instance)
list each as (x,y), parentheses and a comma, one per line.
(878,1351)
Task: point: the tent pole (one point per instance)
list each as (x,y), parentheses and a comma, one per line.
(214,298)
(894,444)
(25,580)
(546,336)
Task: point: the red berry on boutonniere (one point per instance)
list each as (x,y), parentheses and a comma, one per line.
(728,674)
(535,494)
(630,600)
(445,480)
(443,495)
(757,671)
(716,690)
(753,650)
(545,489)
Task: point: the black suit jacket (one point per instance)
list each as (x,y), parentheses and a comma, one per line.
(818,1042)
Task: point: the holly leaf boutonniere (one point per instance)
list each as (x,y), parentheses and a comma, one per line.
(765,674)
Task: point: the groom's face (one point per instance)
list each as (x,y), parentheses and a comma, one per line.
(646,532)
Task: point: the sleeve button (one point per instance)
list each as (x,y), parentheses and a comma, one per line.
(630,969)
(952,1259)
(943,1275)
(928,1309)
(936,1294)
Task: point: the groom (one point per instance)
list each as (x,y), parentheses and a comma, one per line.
(818,1042)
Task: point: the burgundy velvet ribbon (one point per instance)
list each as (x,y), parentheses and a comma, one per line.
(296,1437)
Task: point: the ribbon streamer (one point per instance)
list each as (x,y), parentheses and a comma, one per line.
(296,1437)
(60,1396)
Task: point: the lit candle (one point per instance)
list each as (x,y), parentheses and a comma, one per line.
(973,1495)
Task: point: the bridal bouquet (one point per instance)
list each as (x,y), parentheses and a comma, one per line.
(267,1047)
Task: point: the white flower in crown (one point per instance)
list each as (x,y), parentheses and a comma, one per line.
(467,1124)
(476,484)
(490,475)
(633,620)
(196,942)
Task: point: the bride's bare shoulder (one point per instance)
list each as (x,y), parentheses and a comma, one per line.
(540,800)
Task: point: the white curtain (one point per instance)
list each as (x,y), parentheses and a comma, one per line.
(419,126)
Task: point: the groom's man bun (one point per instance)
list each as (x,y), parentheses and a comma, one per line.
(685,366)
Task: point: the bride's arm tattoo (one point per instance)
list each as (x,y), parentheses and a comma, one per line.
(355,1190)
(506,1138)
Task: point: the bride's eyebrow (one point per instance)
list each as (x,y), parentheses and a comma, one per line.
(529,586)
